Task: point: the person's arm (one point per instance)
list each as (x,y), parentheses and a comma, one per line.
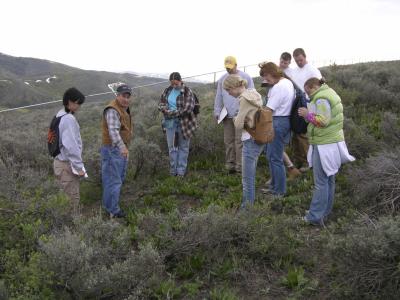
(70,137)
(322,115)
(218,103)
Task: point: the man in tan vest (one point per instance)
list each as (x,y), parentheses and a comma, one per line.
(117,134)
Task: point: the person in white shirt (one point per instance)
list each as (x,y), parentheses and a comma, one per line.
(280,101)
(284,64)
(300,75)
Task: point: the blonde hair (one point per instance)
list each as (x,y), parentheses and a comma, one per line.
(234,81)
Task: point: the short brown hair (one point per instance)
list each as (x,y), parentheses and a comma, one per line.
(299,51)
(314,82)
(286,56)
(270,68)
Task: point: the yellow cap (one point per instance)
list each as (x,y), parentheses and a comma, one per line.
(230,62)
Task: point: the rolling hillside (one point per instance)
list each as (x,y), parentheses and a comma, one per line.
(26,81)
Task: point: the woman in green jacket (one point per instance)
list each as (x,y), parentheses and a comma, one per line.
(328,149)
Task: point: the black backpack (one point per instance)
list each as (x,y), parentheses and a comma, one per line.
(53,136)
(297,122)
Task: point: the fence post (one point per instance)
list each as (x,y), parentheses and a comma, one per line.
(215,77)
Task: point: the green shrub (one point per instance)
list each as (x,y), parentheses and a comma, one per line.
(97,260)
(376,183)
(366,259)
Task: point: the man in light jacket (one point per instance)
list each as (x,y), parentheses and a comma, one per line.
(232,136)
(68,165)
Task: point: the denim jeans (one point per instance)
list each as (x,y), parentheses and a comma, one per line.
(275,154)
(113,171)
(250,153)
(324,191)
(178,148)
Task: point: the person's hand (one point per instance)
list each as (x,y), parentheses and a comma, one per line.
(124,152)
(81,173)
(303,112)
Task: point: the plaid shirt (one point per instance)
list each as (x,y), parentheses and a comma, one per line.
(114,126)
(184,109)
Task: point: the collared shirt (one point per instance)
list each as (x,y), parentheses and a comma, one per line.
(114,126)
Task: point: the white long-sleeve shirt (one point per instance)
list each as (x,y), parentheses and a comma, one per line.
(70,141)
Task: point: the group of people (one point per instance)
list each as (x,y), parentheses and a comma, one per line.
(236,103)
(324,115)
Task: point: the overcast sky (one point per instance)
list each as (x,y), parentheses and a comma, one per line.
(194,36)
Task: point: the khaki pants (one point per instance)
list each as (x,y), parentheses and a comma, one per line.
(233,146)
(300,148)
(68,182)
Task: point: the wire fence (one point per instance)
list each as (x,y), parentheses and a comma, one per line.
(210,77)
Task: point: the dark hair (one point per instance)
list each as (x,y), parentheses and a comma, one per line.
(286,56)
(175,76)
(314,82)
(299,51)
(73,95)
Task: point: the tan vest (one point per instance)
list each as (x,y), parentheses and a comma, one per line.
(126,124)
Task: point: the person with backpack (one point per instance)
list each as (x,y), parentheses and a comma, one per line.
(280,100)
(327,150)
(225,102)
(117,130)
(68,164)
(177,103)
(250,102)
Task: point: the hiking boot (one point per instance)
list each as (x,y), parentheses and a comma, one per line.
(266,191)
(293,172)
(118,215)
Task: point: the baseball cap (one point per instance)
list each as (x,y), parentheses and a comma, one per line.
(230,62)
(123,89)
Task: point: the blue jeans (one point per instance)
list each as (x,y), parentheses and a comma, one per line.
(275,154)
(324,191)
(250,153)
(113,171)
(178,147)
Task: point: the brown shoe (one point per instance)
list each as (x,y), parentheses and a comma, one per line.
(293,172)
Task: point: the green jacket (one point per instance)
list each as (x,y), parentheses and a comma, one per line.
(333,132)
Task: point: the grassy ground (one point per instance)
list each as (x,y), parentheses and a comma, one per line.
(287,259)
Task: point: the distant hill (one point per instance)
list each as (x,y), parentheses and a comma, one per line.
(26,80)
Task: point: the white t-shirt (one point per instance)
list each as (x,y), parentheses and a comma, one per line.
(280,98)
(301,75)
(288,72)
